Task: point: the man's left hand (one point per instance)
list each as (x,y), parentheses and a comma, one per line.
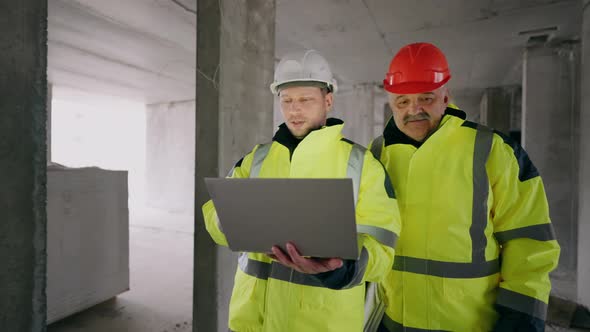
(293,259)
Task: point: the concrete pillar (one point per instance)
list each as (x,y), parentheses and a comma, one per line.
(549,134)
(170,156)
(584,185)
(361,109)
(48,126)
(23,87)
(235,64)
(469,102)
(500,106)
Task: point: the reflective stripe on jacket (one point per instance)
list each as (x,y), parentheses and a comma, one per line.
(476,229)
(270,297)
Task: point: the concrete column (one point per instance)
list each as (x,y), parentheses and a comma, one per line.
(469,102)
(246,72)
(48,126)
(23,87)
(499,106)
(361,109)
(549,127)
(170,156)
(381,111)
(584,184)
(235,64)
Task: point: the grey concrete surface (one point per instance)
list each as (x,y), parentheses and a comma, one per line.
(498,106)
(135,49)
(23,86)
(482,39)
(48,121)
(549,127)
(468,102)
(584,185)
(206,161)
(235,64)
(160,295)
(245,103)
(170,156)
(361,108)
(246,70)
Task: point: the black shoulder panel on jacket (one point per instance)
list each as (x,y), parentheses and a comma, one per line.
(388,185)
(469,124)
(527,169)
(347,141)
(239,163)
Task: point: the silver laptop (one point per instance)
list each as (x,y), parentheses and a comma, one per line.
(315,214)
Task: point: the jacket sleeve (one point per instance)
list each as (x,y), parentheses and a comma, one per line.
(240,170)
(522,227)
(378,222)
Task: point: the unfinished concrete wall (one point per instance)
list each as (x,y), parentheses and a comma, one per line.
(245,104)
(468,102)
(23,87)
(235,64)
(584,184)
(549,135)
(48,122)
(170,156)
(246,71)
(361,108)
(206,162)
(500,106)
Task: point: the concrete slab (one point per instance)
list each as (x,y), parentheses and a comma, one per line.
(160,298)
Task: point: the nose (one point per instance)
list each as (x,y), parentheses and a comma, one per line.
(415,107)
(294,107)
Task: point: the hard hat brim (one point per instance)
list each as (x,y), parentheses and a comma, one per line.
(414,87)
(276,86)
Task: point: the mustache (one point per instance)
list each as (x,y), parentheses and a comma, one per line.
(416,117)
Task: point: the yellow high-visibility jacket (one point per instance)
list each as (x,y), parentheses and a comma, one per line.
(270,297)
(476,228)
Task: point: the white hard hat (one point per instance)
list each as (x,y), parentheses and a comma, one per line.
(307,66)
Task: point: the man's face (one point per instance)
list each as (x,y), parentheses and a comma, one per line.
(304,108)
(418,115)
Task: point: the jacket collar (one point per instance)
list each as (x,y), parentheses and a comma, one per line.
(284,136)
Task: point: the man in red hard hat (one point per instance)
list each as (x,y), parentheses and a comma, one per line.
(477,244)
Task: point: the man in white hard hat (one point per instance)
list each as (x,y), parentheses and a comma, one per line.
(288,292)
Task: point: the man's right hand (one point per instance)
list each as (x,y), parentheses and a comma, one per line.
(294,260)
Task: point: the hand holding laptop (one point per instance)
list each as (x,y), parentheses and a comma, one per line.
(309,265)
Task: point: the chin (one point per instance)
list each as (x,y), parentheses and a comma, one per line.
(419,138)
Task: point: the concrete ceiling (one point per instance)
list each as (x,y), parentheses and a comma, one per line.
(146,49)
(136,49)
(483,39)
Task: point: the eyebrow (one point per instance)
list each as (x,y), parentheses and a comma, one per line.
(425,93)
(304,96)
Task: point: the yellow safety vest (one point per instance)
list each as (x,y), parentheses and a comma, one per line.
(268,296)
(476,229)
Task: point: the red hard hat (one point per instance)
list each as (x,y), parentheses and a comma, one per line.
(417,68)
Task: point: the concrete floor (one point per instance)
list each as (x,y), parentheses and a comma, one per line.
(161,266)
(160,299)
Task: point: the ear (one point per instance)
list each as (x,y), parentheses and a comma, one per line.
(329,100)
(447,94)
(390,105)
